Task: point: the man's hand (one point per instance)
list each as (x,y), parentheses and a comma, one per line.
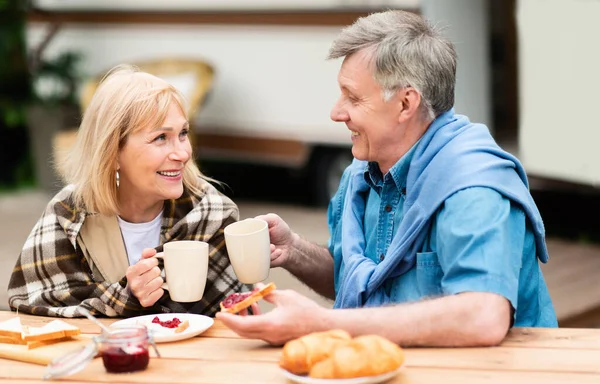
(294,315)
(144,280)
(282,239)
(310,263)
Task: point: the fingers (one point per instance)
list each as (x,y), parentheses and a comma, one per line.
(154,284)
(142,266)
(253,327)
(148,252)
(270,218)
(145,282)
(138,283)
(255,309)
(275,252)
(274,297)
(245,326)
(153,297)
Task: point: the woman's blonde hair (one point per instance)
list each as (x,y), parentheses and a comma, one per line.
(126,101)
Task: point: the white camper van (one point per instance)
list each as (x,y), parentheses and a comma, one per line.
(272,90)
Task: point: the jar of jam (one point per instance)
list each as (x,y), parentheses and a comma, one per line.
(123,349)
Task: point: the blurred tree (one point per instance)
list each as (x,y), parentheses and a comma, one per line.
(15,94)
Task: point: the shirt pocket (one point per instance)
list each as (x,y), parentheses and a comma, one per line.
(429,274)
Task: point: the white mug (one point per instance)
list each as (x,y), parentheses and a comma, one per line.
(186,269)
(249,249)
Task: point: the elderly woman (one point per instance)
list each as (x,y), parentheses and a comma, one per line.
(132,186)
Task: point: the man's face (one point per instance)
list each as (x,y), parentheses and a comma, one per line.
(152,160)
(373,123)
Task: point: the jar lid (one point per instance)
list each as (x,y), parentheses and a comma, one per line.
(71,362)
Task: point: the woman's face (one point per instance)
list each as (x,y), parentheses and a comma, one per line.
(152,160)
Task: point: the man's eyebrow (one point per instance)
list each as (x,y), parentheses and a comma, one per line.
(347,87)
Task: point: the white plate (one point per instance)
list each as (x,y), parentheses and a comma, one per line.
(355,380)
(198,324)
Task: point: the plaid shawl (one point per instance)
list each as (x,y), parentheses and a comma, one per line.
(53,278)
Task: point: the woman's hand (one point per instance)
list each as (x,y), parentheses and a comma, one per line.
(144,280)
(282,239)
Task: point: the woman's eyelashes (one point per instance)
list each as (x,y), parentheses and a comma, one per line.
(163,136)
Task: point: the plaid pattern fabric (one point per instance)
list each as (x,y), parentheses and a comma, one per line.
(53,278)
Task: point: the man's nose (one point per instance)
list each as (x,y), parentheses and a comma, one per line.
(338,112)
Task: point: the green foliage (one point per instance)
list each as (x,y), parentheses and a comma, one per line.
(55,80)
(15,93)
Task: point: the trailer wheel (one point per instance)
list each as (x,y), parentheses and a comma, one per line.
(327,168)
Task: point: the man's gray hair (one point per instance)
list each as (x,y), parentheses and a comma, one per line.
(407,51)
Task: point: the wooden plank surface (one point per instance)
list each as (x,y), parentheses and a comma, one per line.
(572,279)
(528,355)
(563,338)
(577,338)
(45,354)
(190,371)
(86,326)
(507,359)
(217,349)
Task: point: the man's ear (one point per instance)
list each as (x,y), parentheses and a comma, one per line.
(410,101)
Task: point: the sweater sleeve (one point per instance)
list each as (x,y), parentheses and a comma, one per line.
(52,278)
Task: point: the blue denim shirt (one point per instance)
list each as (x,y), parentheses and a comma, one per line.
(478,241)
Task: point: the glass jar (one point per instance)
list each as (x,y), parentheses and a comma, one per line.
(125,349)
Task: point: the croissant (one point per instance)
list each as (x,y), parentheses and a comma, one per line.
(299,355)
(368,355)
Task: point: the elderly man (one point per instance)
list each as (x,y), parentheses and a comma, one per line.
(435,238)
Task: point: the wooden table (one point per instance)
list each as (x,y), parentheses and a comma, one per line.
(528,356)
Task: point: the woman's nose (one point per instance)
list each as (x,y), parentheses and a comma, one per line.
(181,152)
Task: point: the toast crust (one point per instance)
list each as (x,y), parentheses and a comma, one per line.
(182,327)
(13,332)
(54,330)
(253,298)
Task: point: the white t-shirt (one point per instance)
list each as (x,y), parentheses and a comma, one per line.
(138,236)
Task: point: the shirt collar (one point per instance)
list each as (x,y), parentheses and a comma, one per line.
(397,174)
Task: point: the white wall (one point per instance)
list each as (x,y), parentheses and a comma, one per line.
(270,80)
(559,79)
(466,24)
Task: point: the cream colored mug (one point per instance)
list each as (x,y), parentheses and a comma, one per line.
(249,249)
(186,269)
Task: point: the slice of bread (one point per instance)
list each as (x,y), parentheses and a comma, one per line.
(55,329)
(13,332)
(251,299)
(11,340)
(37,344)
(183,326)
(11,328)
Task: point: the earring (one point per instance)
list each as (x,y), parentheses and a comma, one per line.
(117,179)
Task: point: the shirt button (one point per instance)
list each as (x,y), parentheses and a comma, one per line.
(388,208)
(381,257)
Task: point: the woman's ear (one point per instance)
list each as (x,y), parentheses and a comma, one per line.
(410,101)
